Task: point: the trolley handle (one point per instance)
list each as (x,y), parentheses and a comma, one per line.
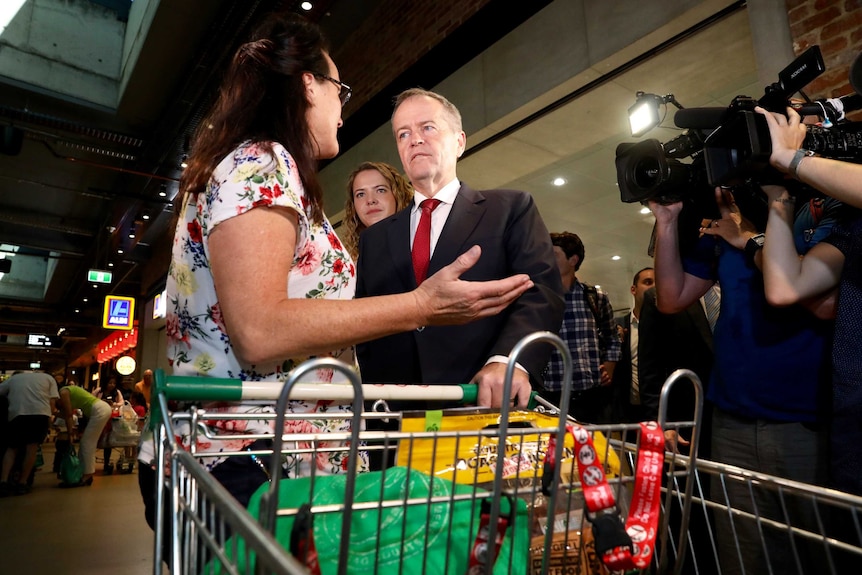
(191,388)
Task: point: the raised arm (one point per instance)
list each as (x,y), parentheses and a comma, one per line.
(266,325)
(787,277)
(675,289)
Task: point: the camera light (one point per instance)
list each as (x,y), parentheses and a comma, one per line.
(643,116)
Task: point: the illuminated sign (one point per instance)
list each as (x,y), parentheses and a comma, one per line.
(126,365)
(99,276)
(119,312)
(42,340)
(160,305)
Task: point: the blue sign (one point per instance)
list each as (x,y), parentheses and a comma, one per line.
(119,312)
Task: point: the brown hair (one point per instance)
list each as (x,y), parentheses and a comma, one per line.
(262,99)
(401,189)
(571,245)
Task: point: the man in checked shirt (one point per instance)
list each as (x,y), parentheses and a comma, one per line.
(588,329)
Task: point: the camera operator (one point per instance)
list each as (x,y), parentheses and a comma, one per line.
(834,262)
(766,377)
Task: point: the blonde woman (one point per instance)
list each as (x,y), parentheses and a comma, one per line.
(375,190)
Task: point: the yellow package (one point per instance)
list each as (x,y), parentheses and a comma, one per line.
(465,446)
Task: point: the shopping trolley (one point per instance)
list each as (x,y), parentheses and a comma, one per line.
(528,518)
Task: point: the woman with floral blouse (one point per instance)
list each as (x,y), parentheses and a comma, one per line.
(258,280)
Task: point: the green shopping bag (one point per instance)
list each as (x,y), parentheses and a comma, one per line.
(71,468)
(434,538)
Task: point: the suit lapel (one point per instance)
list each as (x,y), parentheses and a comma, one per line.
(465,215)
(398,236)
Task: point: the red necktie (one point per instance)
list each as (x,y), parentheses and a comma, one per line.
(422,241)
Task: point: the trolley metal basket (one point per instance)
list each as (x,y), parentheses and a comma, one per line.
(399,518)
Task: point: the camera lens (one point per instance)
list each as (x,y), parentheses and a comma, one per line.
(646,172)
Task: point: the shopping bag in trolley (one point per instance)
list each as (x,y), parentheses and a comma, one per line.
(472,458)
(427,537)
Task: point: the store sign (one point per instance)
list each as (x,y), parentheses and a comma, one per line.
(119,312)
(160,305)
(126,365)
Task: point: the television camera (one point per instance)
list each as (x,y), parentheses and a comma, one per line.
(731,146)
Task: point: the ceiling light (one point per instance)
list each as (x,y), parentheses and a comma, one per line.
(110,264)
(559,182)
(597,286)
(645,210)
(184,161)
(77,311)
(163,191)
(306,6)
(119,250)
(86,300)
(131,235)
(145,217)
(615,258)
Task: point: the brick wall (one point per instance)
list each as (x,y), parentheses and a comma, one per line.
(836,25)
(375,55)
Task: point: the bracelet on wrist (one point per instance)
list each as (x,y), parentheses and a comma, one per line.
(800,155)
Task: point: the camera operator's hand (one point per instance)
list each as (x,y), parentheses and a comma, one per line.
(787,135)
(665,213)
(733,227)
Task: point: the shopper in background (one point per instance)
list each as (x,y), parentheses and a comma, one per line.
(145,386)
(259,282)
(97,412)
(375,191)
(32,400)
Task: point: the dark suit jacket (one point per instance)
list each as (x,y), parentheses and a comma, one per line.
(622,381)
(667,342)
(513,238)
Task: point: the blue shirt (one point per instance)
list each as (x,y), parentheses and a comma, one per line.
(770,362)
(590,342)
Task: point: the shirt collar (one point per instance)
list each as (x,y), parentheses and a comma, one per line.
(446,194)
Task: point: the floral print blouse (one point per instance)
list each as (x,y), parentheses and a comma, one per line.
(198,344)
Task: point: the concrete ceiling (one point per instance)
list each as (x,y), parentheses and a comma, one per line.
(88,173)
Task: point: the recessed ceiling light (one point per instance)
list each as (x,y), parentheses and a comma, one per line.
(597,286)
(145,216)
(77,311)
(559,182)
(306,6)
(615,258)
(645,210)
(110,264)
(119,251)
(132,235)
(86,300)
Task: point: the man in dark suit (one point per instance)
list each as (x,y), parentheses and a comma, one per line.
(668,342)
(513,239)
(628,407)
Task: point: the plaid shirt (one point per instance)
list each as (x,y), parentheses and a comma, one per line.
(590,344)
